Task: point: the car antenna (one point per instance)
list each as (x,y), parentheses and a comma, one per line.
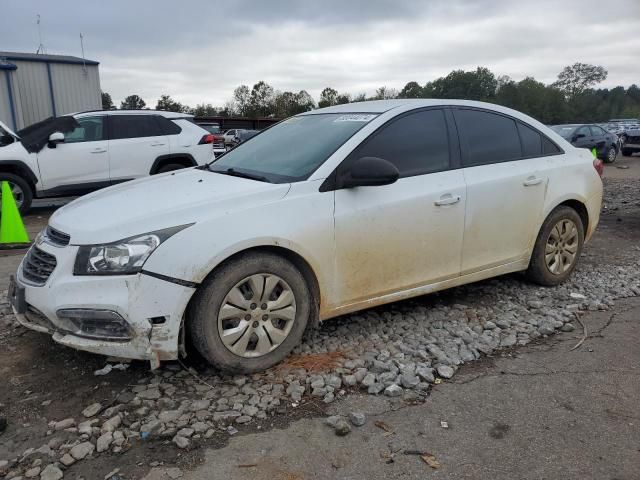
(40,45)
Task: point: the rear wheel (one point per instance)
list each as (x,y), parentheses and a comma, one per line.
(21,190)
(170,167)
(250,313)
(558,247)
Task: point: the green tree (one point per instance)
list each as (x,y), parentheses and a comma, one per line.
(575,79)
(328,97)
(166,103)
(132,102)
(480,84)
(261,99)
(411,90)
(204,110)
(242,99)
(385,93)
(107,102)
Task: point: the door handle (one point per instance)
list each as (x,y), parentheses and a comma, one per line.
(531,181)
(99,150)
(447,199)
(157,144)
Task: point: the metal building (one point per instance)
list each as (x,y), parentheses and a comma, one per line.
(37,86)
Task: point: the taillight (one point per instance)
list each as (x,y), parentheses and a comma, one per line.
(599,166)
(206,139)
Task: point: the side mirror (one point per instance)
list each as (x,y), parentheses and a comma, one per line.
(55,138)
(370,172)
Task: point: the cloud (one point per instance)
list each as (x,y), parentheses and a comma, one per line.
(200,51)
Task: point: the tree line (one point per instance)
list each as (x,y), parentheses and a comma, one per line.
(571,98)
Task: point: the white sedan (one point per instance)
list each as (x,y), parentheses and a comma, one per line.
(326,213)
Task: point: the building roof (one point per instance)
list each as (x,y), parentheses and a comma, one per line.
(41,57)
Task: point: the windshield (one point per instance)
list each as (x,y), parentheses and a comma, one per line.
(565,131)
(293,149)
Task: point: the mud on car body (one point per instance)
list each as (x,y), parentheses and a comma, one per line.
(326,213)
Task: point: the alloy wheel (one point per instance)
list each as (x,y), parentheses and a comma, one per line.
(611,154)
(562,247)
(256,315)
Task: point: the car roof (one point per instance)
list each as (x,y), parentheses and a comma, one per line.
(382,106)
(164,113)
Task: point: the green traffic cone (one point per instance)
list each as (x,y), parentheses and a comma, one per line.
(595,153)
(12,229)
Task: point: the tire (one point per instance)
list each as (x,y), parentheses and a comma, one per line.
(627,152)
(220,290)
(539,270)
(22,191)
(611,154)
(170,167)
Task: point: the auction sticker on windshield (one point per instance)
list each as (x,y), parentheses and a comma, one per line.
(355,117)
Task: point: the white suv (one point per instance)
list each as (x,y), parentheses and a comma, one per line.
(79,153)
(328,212)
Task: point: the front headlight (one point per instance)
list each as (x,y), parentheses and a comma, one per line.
(123,257)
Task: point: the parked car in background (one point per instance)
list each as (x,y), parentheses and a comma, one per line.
(591,136)
(218,136)
(242,136)
(79,153)
(326,213)
(230,136)
(630,141)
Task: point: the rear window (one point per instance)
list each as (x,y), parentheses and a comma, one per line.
(531,141)
(167,126)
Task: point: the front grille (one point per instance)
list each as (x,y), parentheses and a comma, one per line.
(37,266)
(56,237)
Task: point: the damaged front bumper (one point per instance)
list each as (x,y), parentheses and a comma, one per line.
(133,316)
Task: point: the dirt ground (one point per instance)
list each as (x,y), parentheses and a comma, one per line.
(34,369)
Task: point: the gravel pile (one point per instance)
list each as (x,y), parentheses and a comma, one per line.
(397,350)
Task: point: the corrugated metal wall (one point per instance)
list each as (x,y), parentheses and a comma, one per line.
(75,88)
(5,104)
(34,98)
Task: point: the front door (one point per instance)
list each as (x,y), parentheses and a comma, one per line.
(407,234)
(80,163)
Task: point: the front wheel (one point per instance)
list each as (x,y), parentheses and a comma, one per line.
(250,313)
(557,248)
(22,193)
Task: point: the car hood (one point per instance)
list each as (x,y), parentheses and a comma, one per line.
(162,201)
(8,130)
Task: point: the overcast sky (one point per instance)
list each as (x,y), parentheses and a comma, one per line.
(199,51)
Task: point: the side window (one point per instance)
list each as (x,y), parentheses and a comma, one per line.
(91,129)
(584,131)
(134,126)
(487,137)
(168,127)
(531,141)
(596,131)
(416,143)
(549,148)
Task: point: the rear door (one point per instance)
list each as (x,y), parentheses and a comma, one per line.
(135,142)
(506,176)
(407,234)
(80,163)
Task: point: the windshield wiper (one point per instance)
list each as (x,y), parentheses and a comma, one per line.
(236,173)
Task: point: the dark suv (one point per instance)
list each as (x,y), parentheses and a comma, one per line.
(591,136)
